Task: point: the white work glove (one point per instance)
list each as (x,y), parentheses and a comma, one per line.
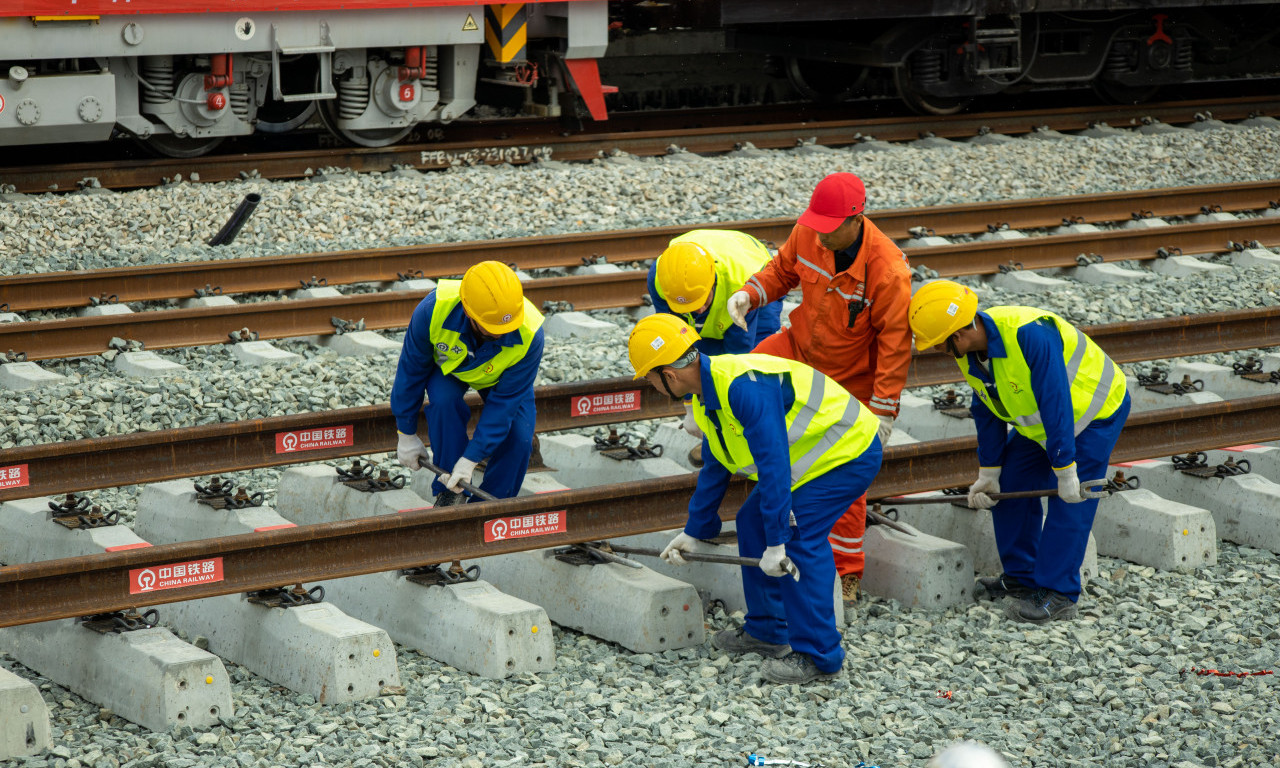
(409,450)
(739,305)
(988,482)
(885,429)
(681,543)
(1068,484)
(461,472)
(690,425)
(775,562)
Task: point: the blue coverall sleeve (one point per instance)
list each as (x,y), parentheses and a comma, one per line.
(417,361)
(659,304)
(1042,348)
(704,505)
(759,406)
(514,387)
(992,434)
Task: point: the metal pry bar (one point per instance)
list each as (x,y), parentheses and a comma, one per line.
(1089,489)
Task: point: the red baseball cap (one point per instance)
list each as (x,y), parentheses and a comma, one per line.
(836,198)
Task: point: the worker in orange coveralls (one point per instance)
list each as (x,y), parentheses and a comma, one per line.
(851,323)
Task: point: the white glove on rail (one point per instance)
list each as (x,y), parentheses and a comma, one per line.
(461,472)
(775,562)
(1068,484)
(885,429)
(690,424)
(739,305)
(683,542)
(410,449)
(988,482)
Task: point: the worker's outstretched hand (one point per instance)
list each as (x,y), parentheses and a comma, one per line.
(775,562)
(739,305)
(461,473)
(681,543)
(409,450)
(988,482)
(1068,484)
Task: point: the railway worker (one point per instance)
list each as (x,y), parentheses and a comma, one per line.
(1067,402)
(482,333)
(811,448)
(694,278)
(851,323)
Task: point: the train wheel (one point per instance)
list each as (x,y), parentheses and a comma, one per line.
(824,81)
(168,145)
(364,137)
(279,117)
(924,103)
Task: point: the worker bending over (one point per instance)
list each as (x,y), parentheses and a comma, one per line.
(694,278)
(811,448)
(1067,402)
(479,332)
(851,323)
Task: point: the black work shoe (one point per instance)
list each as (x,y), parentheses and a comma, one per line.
(1043,606)
(738,641)
(448,498)
(1000,587)
(795,667)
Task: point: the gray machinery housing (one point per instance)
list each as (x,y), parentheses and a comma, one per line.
(370,75)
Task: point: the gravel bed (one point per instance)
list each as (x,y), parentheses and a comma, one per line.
(1105,689)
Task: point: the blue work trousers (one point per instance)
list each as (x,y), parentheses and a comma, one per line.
(1021,524)
(802,613)
(447,416)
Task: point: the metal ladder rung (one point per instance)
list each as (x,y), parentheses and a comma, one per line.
(306,49)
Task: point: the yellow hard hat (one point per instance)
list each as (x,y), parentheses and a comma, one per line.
(686,274)
(658,340)
(938,310)
(492,296)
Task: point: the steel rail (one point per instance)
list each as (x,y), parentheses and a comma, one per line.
(92,584)
(168,329)
(586,146)
(228,276)
(143,457)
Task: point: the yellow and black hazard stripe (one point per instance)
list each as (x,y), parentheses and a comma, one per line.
(506,31)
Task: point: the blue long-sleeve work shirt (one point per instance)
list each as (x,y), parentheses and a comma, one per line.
(761,406)
(736,341)
(417,363)
(1041,346)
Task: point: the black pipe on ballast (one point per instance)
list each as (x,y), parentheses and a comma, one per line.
(237,220)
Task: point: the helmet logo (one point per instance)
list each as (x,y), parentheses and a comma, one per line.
(953,309)
(681,300)
(657,343)
(506,318)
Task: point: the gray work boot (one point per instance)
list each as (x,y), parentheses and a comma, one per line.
(1041,607)
(1000,587)
(795,667)
(738,641)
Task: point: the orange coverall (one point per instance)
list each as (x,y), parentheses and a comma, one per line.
(870,359)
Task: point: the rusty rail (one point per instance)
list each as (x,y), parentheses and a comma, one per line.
(98,583)
(170,281)
(54,468)
(586,146)
(313,317)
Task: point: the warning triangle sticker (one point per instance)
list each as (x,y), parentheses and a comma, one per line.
(469,25)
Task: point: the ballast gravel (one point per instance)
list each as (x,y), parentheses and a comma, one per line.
(1108,688)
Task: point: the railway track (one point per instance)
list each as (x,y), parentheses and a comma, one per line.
(168,329)
(576,147)
(81,586)
(144,457)
(231,276)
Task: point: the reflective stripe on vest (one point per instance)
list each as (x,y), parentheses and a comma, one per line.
(737,257)
(451,351)
(826,426)
(1096,388)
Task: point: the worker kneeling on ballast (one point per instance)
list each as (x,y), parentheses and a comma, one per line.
(482,333)
(811,448)
(1067,402)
